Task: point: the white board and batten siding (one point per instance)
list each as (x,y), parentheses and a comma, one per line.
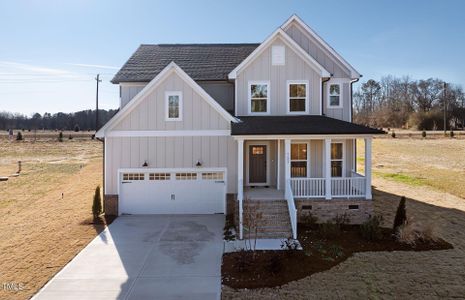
(214,151)
(129,90)
(262,69)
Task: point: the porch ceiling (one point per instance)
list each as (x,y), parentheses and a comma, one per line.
(264,125)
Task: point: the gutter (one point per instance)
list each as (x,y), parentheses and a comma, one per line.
(323,93)
(352,97)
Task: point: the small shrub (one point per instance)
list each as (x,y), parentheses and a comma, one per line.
(97,203)
(60,136)
(407,234)
(371,229)
(19,136)
(290,244)
(452,134)
(423,134)
(335,251)
(274,265)
(70,137)
(393,134)
(329,229)
(401,215)
(309,220)
(341,220)
(76,128)
(427,233)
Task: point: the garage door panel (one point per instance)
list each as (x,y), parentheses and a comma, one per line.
(176,192)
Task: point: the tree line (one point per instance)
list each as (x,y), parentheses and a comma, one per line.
(402,102)
(77,121)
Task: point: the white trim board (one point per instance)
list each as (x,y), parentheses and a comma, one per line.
(167,133)
(168,70)
(291,44)
(294,18)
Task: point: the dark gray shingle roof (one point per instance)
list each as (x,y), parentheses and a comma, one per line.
(199,61)
(263,125)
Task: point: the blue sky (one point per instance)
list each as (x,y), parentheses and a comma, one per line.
(51,50)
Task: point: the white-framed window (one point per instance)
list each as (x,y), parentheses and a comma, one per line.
(259,97)
(278,55)
(212,176)
(299,160)
(186,176)
(133,176)
(173,106)
(334,95)
(159,176)
(297,97)
(337,159)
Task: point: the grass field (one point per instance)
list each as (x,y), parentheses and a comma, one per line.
(438,163)
(46,211)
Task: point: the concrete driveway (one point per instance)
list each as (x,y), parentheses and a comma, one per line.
(146,257)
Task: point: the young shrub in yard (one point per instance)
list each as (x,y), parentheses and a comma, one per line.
(76,128)
(401,215)
(19,136)
(407,233)
(393,134)
(423,134)
(341,220)
(309,220)
(97,209)
(70,137)
(452,134)
(329,229)
(60,136)
(371,229)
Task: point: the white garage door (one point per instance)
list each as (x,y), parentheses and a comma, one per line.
(173,191)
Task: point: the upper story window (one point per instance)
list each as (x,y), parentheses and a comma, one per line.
(297,94)
(337,159)
(334,95)
(173,106)
(278,55)
(259,101)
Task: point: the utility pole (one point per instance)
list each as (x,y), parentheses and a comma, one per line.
(96,102)
(445,109)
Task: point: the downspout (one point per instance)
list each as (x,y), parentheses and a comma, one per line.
(323,93)
(351,119)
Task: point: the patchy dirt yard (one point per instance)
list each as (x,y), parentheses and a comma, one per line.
(399,275)
(46,211)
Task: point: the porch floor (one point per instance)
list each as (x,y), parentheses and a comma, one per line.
(262,193)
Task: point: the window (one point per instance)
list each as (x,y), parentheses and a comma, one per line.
(186,176)
(335,95)
(278,55)
(133,176)
(159,176)
(337,159)
(212,176)
(259,92)
(299,160)
(297,96)
(258,150)
(173,106)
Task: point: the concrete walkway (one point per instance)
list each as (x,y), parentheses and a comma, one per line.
(146,257)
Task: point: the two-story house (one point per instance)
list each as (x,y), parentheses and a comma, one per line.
(211,128)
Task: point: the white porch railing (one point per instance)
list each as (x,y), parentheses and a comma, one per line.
(348,187)
(292,210)
(308,187)
(341,187)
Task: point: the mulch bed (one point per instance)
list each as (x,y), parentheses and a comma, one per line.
(321,252)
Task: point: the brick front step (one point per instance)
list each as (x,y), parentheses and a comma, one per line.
(275,221)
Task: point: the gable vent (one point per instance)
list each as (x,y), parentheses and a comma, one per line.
(278,55)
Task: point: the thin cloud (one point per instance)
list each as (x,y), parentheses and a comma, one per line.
(32,68)
(93,66)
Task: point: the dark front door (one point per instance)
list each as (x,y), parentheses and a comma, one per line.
(257,164)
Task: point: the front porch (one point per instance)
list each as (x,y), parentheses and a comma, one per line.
(301,168)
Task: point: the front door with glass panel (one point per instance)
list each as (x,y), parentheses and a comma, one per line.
(257,165)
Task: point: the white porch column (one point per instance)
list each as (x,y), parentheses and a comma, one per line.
(327,164)
(287,163)
(240,182)
(278,164)
(368,168)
